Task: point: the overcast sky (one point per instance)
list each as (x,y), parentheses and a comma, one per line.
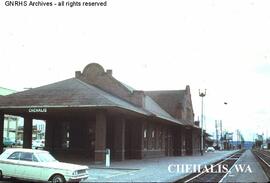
(223,46)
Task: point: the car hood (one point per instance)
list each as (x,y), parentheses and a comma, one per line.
(65,166)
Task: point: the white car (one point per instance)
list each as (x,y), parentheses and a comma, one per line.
(210,149)
(38,144)
(38,165)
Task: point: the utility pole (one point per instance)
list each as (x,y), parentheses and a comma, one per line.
(237,139)
(216,125)
(221,135)
(201,94)
(224,140)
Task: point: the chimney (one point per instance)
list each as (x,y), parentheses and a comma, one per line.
(78,74)
(109,72)
(187,89)
(137,98)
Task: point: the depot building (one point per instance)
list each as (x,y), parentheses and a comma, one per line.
(93,111)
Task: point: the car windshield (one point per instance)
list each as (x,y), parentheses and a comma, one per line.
(46,157)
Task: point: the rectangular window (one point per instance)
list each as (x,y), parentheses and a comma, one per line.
(145,138)
(25,156)
(153,139)
(145,133)
(159,140)
(149,137)
(153,133)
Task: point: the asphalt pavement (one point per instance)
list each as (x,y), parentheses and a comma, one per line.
(149,170)
(246,169)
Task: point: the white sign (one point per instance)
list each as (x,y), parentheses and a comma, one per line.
(33,110)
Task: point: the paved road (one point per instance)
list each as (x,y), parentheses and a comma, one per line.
(252,170)
(150,170)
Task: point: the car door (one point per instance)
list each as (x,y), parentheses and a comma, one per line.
(28,166)
(10,164)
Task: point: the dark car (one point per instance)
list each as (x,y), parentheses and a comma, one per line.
(8,142)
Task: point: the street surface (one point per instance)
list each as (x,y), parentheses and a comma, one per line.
(149,170)
(257,174)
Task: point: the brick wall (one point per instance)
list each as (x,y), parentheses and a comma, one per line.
(94,74)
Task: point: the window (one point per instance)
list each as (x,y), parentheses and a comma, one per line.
(26,156)
(65,135)
(145,133)
(14,156)
(46,157)
(34,158)
(153,138)
(145,143)
(153,133)
(160,139)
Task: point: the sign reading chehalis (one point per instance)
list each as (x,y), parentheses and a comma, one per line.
(37,110)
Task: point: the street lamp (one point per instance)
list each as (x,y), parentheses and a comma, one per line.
(223,138)
(202,94)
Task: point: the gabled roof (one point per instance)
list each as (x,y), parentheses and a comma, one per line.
(68,93)
(153,107)
(172,101)
(76,93)
(128,87)
(169,100)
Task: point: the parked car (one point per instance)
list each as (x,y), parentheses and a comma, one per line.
(210,149)
(38,144)
(38,165)
(19,142)
(8,142)
(264,146)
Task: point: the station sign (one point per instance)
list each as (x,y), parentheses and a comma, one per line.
(37,110)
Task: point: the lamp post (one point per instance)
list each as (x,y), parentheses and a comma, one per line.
(202,94)
(224,118)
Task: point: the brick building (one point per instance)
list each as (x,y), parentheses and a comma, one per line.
(93,111)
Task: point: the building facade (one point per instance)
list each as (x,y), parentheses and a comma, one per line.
(93,111)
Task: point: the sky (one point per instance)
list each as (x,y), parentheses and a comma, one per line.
(222,46)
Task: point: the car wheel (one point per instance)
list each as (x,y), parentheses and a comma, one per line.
(58,178)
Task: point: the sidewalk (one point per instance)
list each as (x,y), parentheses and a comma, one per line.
(149,170)
(257,174)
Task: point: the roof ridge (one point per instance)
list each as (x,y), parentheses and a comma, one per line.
(169,117)
(88,85)
(152,100)
(162,90)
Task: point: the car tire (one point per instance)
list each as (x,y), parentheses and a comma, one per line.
(58,178)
